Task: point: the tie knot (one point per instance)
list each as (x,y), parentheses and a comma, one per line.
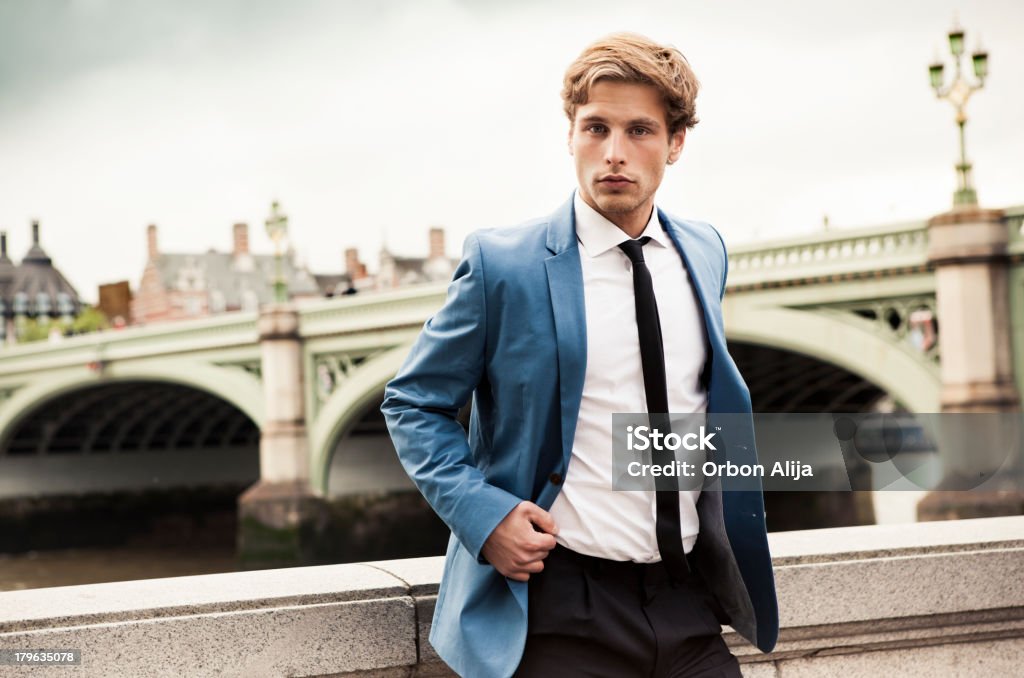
(634,249)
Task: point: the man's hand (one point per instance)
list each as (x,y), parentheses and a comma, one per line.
(516,548)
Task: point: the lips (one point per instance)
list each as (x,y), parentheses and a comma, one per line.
(615,181)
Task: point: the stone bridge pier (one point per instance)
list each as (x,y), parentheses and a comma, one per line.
(281,517)
(968,247)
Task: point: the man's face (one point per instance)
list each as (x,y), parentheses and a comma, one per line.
(621,144)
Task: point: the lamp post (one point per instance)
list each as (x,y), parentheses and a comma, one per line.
(958,92)
(277,229)
(967,249)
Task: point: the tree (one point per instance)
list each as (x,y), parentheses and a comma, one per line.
(91,319)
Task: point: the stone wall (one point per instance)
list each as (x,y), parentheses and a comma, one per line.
(941,599)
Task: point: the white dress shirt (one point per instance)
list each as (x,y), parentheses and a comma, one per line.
(592,517)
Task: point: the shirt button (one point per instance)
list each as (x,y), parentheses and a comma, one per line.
(555,478)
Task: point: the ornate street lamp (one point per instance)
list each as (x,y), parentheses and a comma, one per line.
(957,93)
(277,229)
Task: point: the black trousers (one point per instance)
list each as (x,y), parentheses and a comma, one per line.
(595,617)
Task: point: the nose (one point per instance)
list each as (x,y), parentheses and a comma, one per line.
(615,148)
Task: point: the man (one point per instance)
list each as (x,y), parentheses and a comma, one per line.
(608,305)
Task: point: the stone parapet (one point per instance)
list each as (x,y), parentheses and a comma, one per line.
(944,598)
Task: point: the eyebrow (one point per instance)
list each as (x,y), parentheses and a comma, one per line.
(647,122)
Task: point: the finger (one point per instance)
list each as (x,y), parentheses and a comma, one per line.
(527,566)
(534,567)
(543,520)
(539,546)
(543,542)
(525,559)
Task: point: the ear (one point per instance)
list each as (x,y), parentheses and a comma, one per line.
(569,137)
(675,145)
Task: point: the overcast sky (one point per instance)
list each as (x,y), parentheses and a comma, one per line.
(371,121)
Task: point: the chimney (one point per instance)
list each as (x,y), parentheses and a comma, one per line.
(3,244)
(35,231)
(353,268)
(151,247)
(436,242)
(241,239)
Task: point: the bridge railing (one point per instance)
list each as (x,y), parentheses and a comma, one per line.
(892,248)
(830,254)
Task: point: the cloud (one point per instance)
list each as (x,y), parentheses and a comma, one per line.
(374,120)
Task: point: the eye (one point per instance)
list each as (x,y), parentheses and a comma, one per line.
(640,131)
(596,129)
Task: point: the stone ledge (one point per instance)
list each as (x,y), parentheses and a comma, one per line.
(804,547)
(985,658)
(909,632)
(303,640)
(201,594)
(896,587)
(896,601)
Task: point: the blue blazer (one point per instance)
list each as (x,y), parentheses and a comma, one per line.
(512,334)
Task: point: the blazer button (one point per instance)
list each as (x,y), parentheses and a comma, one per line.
(555,478)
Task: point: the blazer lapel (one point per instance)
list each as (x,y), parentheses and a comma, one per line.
(565,285)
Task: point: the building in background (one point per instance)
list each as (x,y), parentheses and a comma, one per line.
(34,295)
(403,271)
(178,286)
(354,279)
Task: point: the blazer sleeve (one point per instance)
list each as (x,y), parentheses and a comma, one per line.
(421,403)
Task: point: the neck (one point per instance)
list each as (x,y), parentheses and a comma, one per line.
(632,223)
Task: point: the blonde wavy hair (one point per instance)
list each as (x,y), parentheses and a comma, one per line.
(632,58)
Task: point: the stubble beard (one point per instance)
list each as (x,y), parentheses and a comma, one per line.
(624,202)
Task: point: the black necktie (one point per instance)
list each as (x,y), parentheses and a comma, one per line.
(652,357)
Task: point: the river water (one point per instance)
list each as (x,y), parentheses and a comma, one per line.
(64,567)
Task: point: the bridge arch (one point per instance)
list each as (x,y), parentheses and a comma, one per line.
(234,386)
(346,405)
(849,343)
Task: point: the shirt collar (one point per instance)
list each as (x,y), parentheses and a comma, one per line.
(598,235)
